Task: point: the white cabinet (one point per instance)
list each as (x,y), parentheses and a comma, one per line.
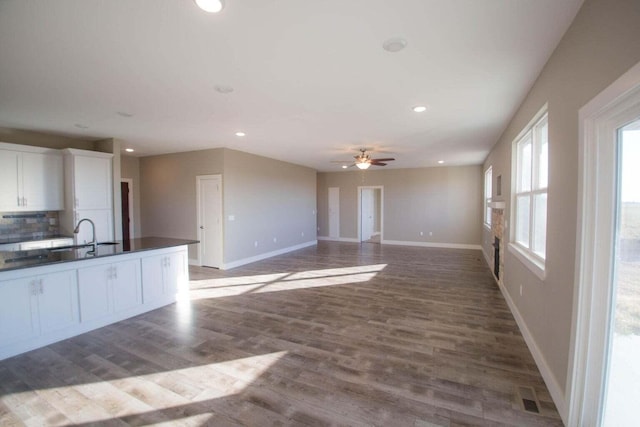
(37,305)
(30,180)
(163,276)
(89,194)
(107,289)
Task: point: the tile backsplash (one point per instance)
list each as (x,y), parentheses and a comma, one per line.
(22,226)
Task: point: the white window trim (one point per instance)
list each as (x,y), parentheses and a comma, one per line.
(530,259)
(487,200)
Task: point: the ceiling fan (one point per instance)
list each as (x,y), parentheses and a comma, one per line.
(364,160)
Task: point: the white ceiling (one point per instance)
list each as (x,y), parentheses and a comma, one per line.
(311,80)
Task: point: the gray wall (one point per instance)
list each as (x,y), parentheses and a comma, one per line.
(38,139)
(168,192)
(130,169)
(446,201)
(602,43)
(268,198)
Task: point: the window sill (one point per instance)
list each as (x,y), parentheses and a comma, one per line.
(532,264)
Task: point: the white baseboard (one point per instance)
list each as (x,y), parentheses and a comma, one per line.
(339,239)
(238,263)
(549,379)
(432,244)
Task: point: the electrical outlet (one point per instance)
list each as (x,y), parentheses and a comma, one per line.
(422,233)
(275,240)
(520,290)
(302,234)
(255,244)
(430,233)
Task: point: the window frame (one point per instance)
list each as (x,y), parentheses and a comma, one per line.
(525,252)
(488,190)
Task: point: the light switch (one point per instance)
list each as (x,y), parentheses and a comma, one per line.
(232,217)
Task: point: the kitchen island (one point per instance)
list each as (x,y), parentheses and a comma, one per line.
(47,295)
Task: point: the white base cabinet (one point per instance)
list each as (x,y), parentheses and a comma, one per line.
(37,305)
(163,276)
(109,289)
(43,305)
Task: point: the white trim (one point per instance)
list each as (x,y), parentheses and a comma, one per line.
(338,239)
(238,263)
(132,227)
(432,244)
(199,178)
(547,374)
(593,264)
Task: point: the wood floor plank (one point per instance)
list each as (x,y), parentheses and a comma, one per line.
(338,334)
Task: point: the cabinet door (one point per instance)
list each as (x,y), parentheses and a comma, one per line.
(93,288)
(174,274)
(152,282)
(126,288)
(9,180)
(92,182)
(18,320)
(57,301)
(42,180)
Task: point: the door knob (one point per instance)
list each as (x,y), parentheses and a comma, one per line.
(201,227)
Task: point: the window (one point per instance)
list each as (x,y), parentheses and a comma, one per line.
(530,201)
(487,196)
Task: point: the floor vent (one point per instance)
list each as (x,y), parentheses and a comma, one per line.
(527,396)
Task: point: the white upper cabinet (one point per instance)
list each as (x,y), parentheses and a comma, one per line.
(89,194)
(31,178)
(89,179)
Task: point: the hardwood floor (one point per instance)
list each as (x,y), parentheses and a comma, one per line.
(338,334)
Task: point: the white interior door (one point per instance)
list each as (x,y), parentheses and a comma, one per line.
(367,222)
(334,212)
(210,220)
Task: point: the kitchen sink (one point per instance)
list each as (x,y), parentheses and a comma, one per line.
(67,248)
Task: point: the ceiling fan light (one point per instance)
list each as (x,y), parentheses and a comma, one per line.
(363,165)
(211,6)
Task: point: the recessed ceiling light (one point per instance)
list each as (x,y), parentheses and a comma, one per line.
(224,89)
(419,108)
(124,114)
(240,134)
(440,161)
(129,150)
(344,166)
(395,44)
(211,6)
(81,126)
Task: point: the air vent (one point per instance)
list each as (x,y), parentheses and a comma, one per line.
(527,396)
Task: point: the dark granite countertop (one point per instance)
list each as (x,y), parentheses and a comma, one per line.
(39,257)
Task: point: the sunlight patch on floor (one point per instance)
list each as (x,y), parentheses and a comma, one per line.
(224,287)
(215,380)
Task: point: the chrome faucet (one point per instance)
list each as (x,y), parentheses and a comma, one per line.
(93,229)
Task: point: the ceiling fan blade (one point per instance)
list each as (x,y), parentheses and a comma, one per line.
(383,160)
(378,164)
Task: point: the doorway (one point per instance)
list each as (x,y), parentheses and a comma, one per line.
(126,195)
(209,193)
(370,214)
(605,360)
